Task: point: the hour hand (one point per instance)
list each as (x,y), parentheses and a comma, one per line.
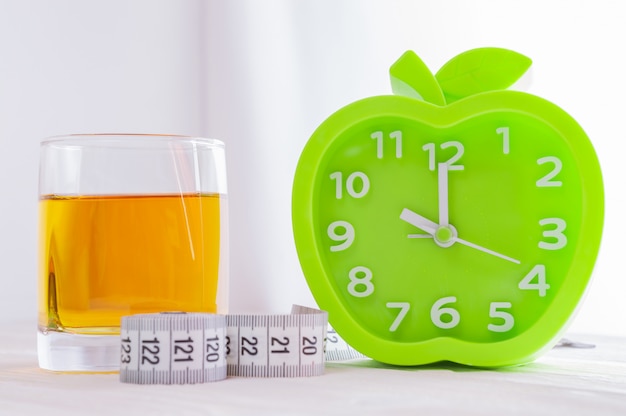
(444,236)
(419,221)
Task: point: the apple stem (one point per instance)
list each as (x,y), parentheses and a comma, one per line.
(411,77)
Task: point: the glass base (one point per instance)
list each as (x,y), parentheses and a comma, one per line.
(59,351)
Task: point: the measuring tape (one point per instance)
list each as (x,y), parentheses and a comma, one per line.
(187,348)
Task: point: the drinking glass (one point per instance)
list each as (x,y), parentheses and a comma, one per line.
(127,224)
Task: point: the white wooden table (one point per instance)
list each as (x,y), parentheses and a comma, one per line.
(566,381)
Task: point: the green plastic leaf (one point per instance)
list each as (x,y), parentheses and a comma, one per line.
(411,77)
(480,70)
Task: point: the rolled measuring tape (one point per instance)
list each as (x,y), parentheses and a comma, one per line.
(188,348)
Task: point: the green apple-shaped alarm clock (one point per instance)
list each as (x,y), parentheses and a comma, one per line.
(454,220)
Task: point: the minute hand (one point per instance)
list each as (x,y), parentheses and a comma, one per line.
(442,188)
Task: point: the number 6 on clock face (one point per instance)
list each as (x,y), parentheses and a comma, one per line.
(463,232)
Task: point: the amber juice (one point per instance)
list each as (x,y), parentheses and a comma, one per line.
(103,257)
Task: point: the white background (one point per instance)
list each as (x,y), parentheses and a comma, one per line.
(261,75)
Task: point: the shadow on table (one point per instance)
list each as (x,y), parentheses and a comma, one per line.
(535,366)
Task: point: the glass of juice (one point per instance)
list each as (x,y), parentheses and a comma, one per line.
(128,223)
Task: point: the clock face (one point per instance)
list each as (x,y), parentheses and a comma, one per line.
(476,224)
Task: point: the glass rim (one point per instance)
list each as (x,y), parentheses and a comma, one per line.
(122,140)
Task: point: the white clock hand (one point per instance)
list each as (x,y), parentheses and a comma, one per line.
(444,236)
(442,188)
(486,250)
(447,235)
(418,221)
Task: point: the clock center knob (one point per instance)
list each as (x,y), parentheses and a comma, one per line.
(445,235)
